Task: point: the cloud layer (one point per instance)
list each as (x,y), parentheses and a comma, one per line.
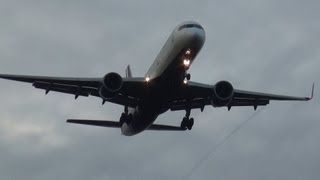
(268,46)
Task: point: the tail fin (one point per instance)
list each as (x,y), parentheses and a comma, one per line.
(128,72)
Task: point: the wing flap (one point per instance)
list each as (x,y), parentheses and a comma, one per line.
(90,82)
(69,89)
(193,104)
(258,95)
(201,103)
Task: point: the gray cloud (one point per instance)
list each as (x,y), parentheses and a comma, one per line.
(270,46)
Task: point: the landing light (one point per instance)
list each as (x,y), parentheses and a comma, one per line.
(147,79)
(185,81)
(188,52)
(186,62)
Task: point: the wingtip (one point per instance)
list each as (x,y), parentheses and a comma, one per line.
(312,92)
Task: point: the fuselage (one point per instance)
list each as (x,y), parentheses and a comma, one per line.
(166,75)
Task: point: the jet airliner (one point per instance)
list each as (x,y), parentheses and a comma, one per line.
(165,86)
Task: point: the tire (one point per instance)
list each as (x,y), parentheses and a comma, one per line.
(190,123)
(184,123)
(123,118)
(188,76)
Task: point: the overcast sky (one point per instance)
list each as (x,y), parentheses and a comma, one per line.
(262,45)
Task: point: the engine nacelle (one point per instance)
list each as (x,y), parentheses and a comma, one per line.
(222,94)
(110,85)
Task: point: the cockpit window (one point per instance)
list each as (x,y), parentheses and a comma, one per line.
(189,26)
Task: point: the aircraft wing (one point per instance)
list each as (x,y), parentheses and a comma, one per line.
(197,95)
(129,94)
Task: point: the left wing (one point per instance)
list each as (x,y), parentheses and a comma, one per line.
(198,95)
(128,95)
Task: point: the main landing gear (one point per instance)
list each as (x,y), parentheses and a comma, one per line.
(125,116)
(187,122)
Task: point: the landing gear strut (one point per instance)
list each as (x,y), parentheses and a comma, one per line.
(187,122)
(188,76)
(125,117)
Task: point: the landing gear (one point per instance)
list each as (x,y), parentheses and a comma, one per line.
(187,122)
(125,118)
(188,76)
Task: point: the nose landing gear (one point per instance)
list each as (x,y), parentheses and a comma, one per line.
(188,76)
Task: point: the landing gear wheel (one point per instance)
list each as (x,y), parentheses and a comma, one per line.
(188,76)
(123,118)
(129,119)
(190,123)
(184,123)
(187,123)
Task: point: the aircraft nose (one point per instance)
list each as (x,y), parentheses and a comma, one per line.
(199,35)
(196,36)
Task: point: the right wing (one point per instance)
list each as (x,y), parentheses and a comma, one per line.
(197,95)
(129,95)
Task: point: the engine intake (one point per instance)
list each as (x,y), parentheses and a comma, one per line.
(222,94)
(110,85)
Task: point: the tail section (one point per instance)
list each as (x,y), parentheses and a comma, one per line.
(128,72)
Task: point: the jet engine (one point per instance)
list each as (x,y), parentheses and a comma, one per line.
(111,83)
(222,94)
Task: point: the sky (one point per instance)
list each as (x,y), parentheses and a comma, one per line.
(259,45)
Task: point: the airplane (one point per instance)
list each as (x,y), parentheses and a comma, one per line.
(165,86)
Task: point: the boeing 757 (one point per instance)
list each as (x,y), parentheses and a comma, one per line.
(165,86)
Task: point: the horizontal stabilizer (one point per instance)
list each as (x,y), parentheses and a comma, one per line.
(115,124)
(159,127)
(112,124)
